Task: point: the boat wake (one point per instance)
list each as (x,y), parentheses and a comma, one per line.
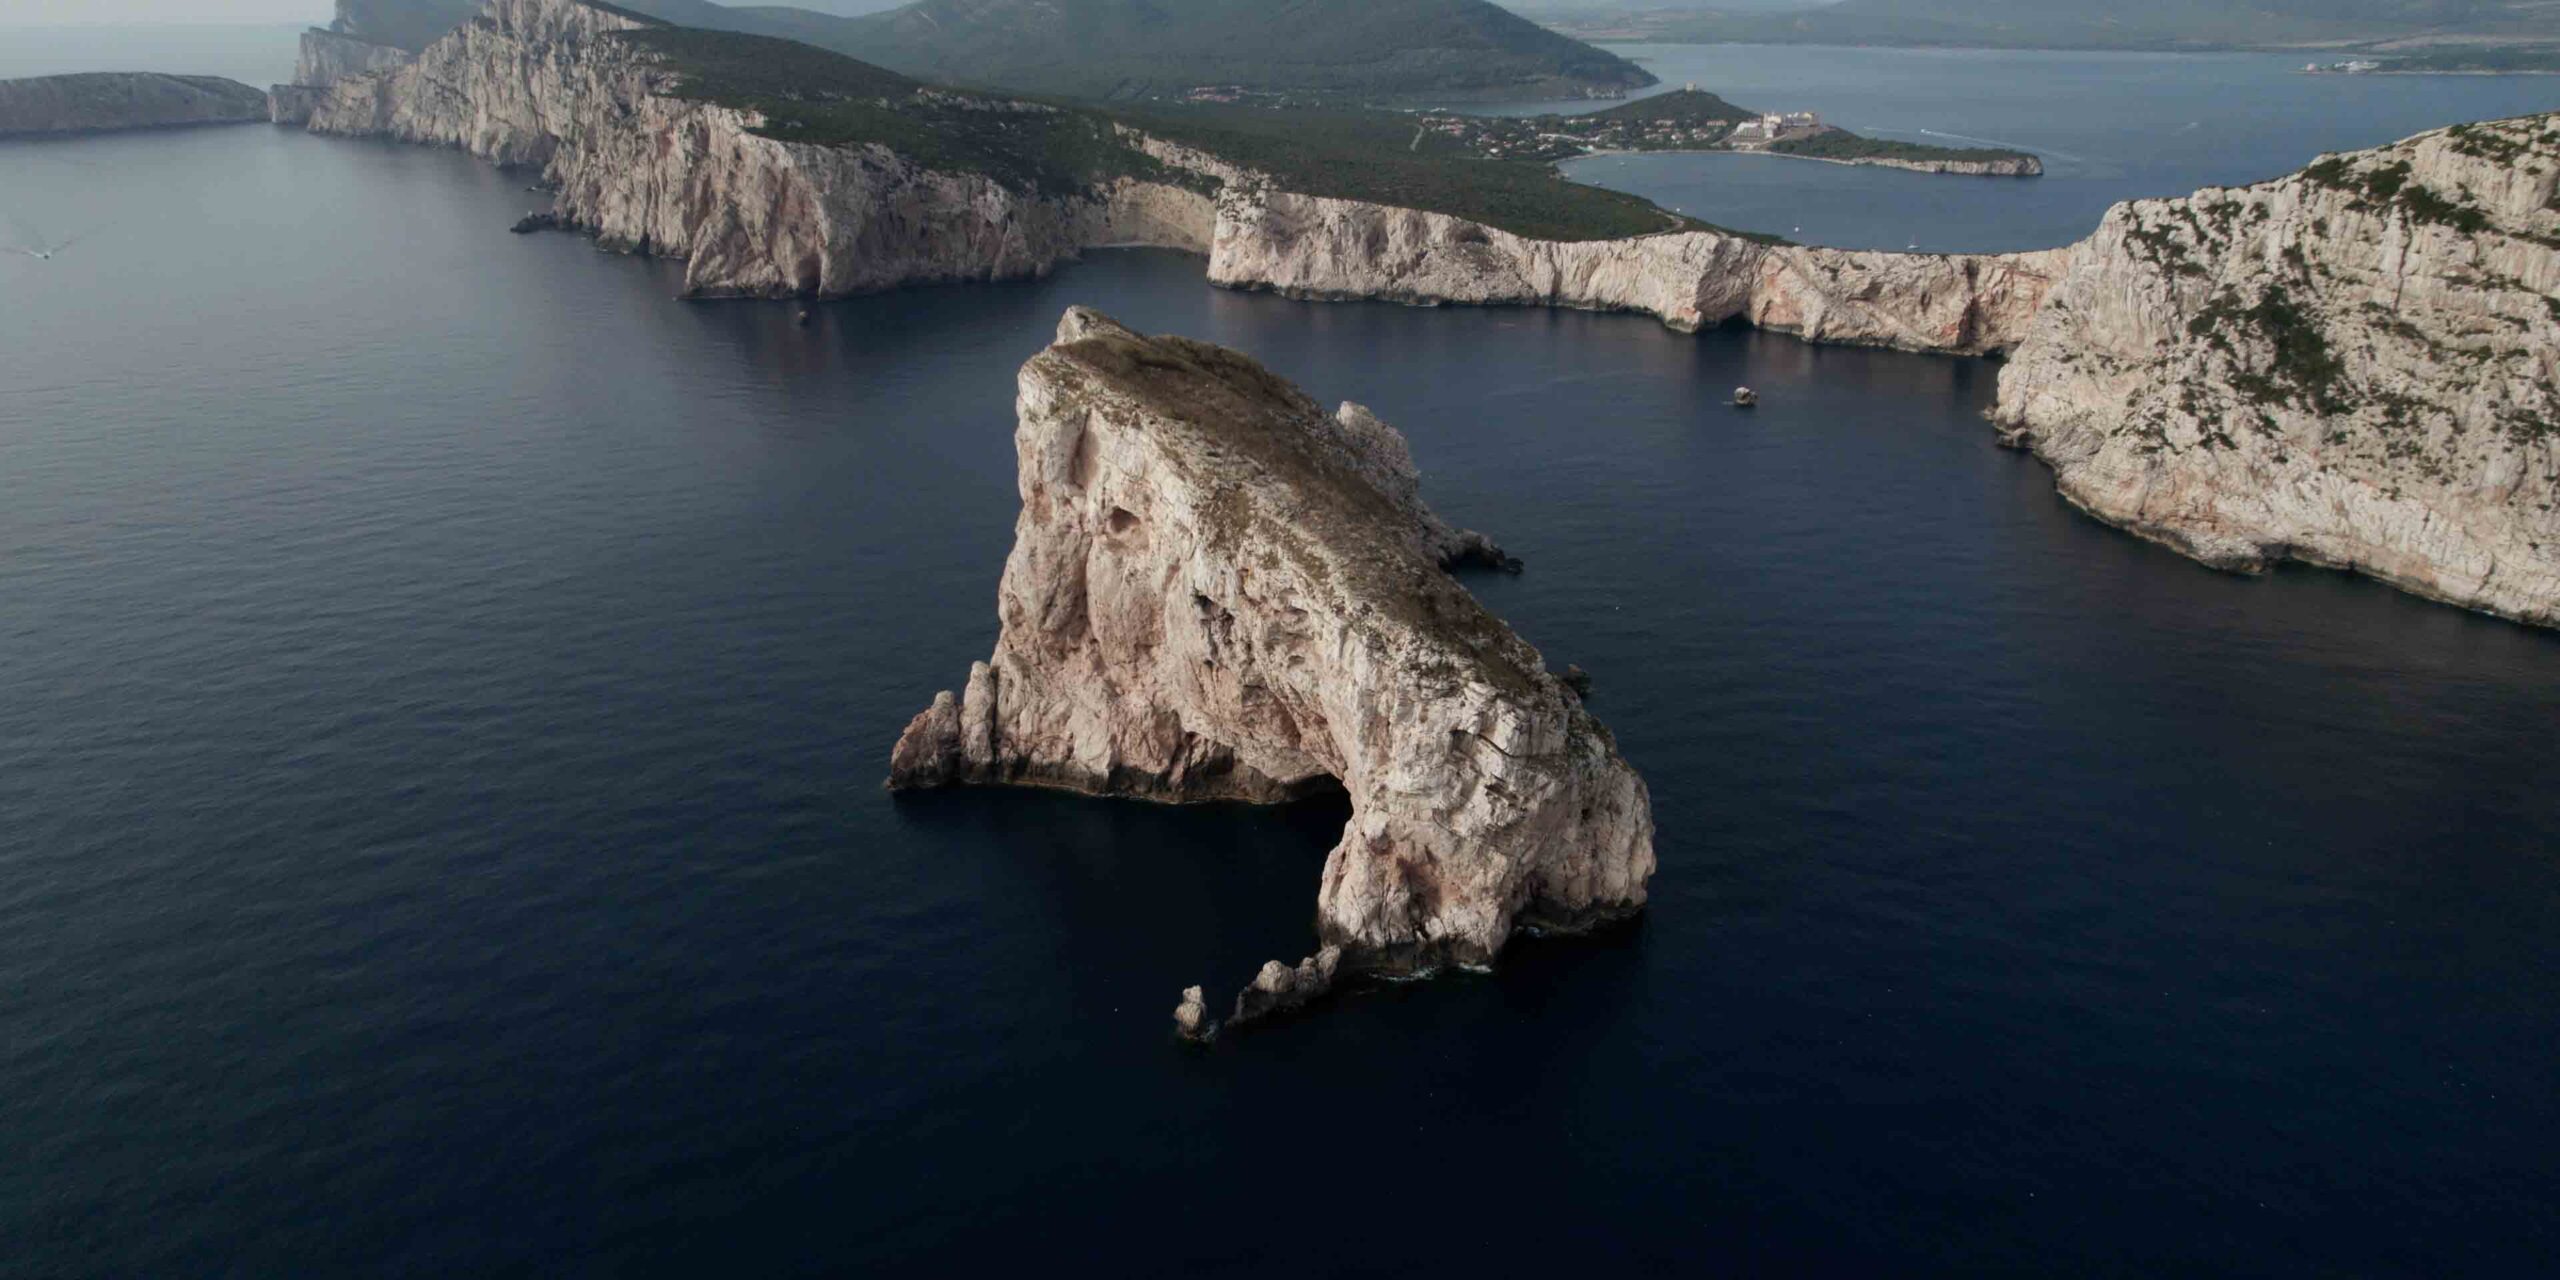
(2046,152)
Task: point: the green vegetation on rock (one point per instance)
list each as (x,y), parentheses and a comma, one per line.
(1381,158)
(1680,106)
(1130,49)
(810,95)
(1840,144)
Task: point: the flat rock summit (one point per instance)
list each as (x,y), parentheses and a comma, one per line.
(1219,591)
(108,101)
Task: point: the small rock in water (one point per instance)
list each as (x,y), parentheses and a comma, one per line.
(1280,989)
(1191,1018)
(1576,679)
(1473,550)
(532,222)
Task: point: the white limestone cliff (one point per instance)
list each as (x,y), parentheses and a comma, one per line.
(540,83)
(1316,247)
(2013,167)
(1218,591)
(2357,366)
(328,57)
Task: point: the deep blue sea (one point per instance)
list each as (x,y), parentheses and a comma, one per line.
(2109,127)
(445,684)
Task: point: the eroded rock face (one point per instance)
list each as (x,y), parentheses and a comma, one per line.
(542,83)
(1218,591)
(328,57)
(1314,247)
(2356,366)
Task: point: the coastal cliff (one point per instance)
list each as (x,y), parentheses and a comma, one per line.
(546,83)
(562,85)
(328,57)
(2017,167)
(2357,366)
(106,101)
(365,37)
(1312,247)
(1218,591)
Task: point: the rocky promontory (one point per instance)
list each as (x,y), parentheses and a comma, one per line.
(1219,591)
(2011,167)
(106,101)
(559,85)
(2355,366)
(1314,247)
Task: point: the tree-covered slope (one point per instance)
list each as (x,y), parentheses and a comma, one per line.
(812,95)
(1140,48)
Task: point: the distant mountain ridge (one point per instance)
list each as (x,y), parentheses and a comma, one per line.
(2089,24)
(1140,48)
(1136,48)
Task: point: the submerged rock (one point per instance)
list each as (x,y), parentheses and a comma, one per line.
(1218,591)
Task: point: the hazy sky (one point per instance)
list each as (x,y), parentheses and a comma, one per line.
(66,12)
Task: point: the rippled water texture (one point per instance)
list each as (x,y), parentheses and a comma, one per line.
(445,683)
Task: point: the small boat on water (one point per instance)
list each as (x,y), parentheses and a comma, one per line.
(1745,397)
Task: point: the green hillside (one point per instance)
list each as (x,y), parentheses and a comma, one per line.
(815,96)
(1680,106)
(1104,49)
(1143,48)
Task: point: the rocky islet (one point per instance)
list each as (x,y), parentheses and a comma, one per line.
(1220,592)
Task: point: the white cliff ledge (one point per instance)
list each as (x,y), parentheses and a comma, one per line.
(545,83)
(2357,366)
(1218,591)
(1314,247)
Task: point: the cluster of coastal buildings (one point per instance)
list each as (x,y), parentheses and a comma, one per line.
(1561,137)
(2358,67)
(1751,135)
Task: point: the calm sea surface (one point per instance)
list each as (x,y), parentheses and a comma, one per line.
(445,684)
(2110,127)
